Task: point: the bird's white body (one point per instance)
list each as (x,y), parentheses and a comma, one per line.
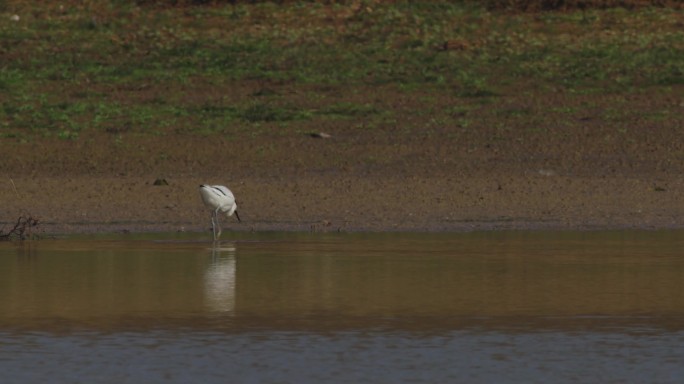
(218,198)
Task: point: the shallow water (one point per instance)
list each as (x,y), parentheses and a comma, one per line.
(271,307)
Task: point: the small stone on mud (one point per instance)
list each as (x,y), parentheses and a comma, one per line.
(160,182)
(319,135)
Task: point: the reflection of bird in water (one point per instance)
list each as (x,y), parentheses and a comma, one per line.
(219,281)
(218,198)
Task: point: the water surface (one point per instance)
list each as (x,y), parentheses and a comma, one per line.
(272,307)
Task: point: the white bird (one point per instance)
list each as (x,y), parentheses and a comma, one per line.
(218,198)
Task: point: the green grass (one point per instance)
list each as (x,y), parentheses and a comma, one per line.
(348,110)
(117,67)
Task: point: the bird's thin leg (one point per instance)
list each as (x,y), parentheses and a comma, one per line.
(213,225)
(218,224)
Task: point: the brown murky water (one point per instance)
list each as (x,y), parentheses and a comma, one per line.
(572,307)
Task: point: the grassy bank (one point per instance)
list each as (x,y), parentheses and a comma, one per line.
(75,68)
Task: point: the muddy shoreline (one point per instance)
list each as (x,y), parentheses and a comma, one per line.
(325,204)
(591,174)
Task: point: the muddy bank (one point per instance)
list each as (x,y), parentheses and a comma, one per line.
(538,199)
(589,172)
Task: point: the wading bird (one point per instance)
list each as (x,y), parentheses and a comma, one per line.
(218,198)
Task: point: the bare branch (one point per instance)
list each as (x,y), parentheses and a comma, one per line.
(21,230)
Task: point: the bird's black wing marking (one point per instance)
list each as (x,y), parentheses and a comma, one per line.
(219,191)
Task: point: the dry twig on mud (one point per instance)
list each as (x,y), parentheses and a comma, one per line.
(21,230)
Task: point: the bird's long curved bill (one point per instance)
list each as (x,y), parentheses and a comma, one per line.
(238,216)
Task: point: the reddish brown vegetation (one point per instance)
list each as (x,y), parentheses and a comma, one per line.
(522,5)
